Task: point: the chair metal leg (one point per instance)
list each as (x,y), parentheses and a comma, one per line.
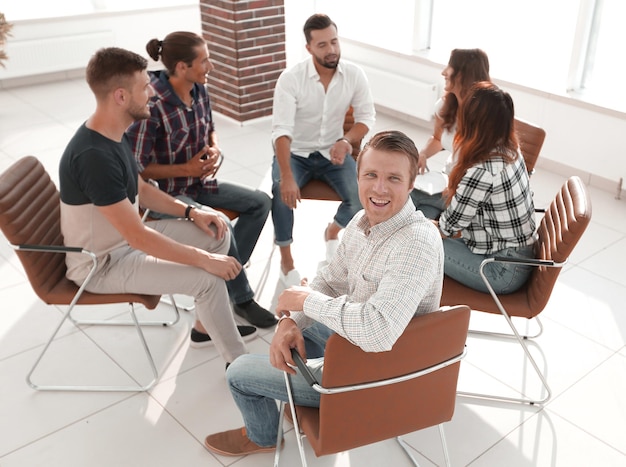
(512,336)
(444,445)
(521,340)
(279,434)
(128,388)
(294,416)
(170,301)
(407,450)
(107,322)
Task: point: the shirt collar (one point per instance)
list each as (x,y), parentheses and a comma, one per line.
(164,91)
(392,224)
(312,72)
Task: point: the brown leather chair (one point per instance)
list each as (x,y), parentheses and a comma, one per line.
(30,220)
(318,189)
(368,397)
(559,231)
(531,139)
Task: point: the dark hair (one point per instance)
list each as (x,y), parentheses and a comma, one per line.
(316,22)
(177,47)
(393,141)
(469,66)
(112,67)
(485,127)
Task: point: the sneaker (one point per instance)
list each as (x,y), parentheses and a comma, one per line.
(331,249)
(234,443)
(331,246)
(291,278)
(256,315)
(200,339)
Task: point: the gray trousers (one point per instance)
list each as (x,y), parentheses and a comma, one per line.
(127,270)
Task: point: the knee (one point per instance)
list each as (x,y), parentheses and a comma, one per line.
(264,202)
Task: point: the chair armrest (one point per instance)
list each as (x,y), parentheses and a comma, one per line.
(312,381)
(527,261)
(304,370)
(49,248)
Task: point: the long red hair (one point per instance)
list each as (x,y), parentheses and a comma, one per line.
(485,128)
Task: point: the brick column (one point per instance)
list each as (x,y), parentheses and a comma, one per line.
(246,41)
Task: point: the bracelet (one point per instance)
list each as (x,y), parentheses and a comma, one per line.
(344,139)
(188,211)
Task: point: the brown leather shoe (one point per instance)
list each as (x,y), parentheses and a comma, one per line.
(234,443)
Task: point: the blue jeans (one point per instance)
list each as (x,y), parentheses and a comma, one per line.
(342,178)
(463,266)
(256,385)
(430,205)
(253,207)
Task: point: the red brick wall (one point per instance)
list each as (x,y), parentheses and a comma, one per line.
(246,41)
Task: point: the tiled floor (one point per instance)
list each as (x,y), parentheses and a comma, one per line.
(582,349)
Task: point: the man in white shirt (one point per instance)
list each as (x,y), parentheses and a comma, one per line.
(310,103)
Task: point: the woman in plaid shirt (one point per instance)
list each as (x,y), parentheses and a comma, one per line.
(490,210)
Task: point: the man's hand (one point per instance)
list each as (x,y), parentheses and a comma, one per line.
(210,222)
(288,336)
(292,299)
(339,150)
(204,163)
(222,266)
(289,192)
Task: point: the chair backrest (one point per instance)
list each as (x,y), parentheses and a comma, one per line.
(347,420)
(30,214)
(317,189)
(559,231)
(531,139)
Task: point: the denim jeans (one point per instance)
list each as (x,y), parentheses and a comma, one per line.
(430,205)
(253,207)
(256,385)
(463,266)
(342,178)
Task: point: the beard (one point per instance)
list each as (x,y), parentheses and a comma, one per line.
(139,112)
(331,64)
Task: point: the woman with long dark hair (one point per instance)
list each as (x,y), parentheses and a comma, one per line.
(489,206)
(465,67)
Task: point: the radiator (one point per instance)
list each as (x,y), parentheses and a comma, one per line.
(408,96)
(52,54)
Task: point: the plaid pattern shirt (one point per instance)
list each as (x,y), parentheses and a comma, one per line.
(379,278)
(492,207)
(173,134)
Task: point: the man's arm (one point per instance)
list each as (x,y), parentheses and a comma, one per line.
(124,218)
(289,191)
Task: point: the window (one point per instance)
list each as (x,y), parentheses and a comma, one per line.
(551,45)
(603,68)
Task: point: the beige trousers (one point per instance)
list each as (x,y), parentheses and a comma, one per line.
(127,270)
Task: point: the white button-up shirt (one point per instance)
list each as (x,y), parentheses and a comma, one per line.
(313,118)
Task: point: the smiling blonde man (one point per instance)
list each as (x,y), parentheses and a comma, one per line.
(388,268)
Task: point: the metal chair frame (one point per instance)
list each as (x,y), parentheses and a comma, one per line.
(68,316)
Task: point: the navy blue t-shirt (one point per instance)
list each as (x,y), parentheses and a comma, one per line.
(97,170)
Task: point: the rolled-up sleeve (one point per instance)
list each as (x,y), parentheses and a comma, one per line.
(284,108)
(363,102)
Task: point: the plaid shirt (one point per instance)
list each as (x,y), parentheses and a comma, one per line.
(173,134)
(379,278)
(492,207)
